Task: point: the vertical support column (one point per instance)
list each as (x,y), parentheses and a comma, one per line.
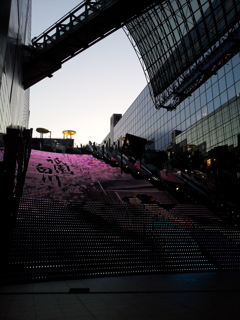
(12,177)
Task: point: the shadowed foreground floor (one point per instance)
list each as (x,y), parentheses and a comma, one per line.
(198,296)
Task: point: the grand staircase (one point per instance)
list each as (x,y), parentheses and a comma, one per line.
(70,226)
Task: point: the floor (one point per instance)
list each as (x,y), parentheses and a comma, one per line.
(198,296)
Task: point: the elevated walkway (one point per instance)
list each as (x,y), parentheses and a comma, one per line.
(86,24)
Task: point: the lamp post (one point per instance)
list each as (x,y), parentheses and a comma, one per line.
(42,131)
(68,133)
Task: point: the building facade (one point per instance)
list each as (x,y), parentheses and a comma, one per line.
(15,32)
(190,54)
(210,115)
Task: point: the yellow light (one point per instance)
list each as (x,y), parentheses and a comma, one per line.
(69,132)
(208,162)
(191,146)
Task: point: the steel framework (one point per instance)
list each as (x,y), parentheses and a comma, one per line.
(180,44)
(86,24)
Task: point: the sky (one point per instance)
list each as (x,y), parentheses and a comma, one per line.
(82,96)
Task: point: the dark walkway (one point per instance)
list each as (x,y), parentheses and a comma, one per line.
(195,296)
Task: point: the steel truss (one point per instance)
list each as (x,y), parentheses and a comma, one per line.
(72,20)
(85,25)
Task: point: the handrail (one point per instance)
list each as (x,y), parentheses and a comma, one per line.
(71,20)
(60,20)
(101,187)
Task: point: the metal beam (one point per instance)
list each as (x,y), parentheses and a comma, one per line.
(88,23)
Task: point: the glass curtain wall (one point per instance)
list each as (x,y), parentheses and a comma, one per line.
(182,43)
(211,114)
(189,52)
(15,32)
